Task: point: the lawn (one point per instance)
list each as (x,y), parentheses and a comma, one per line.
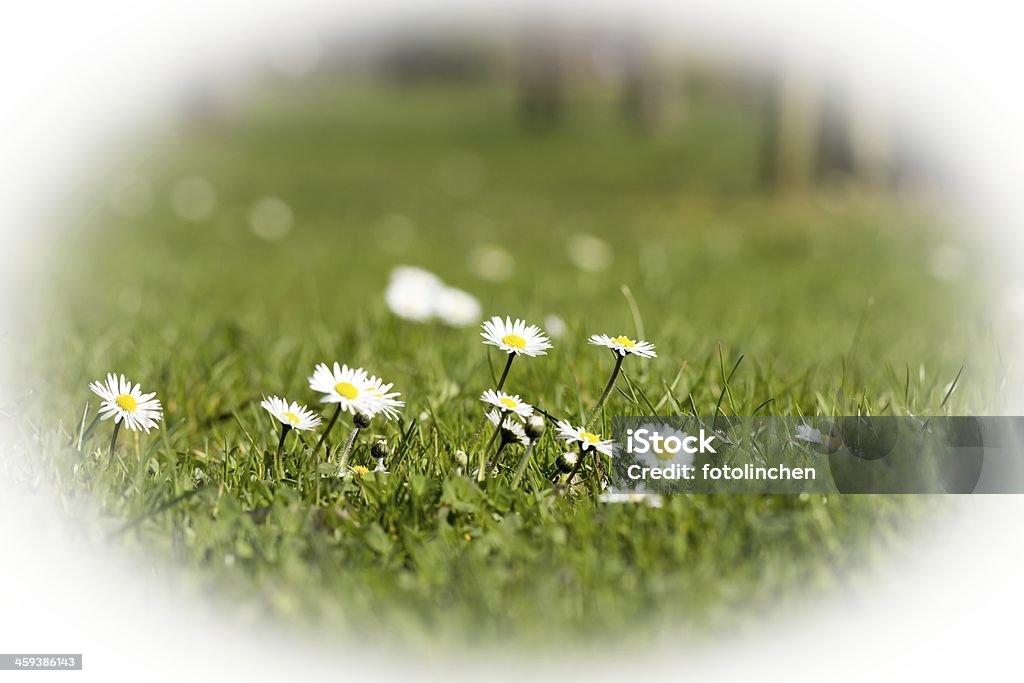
(822,305)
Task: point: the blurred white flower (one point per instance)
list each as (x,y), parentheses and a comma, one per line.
(271,219)
(515,337)
(555,326)
(456,308)
(126,403)
(590,253)
(411,293)
(419,295)
(624,345)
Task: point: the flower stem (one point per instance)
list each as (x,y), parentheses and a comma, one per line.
(494,461)
(278,463)
(327,430)
(576,467)
(607,389)
(504,373)
(347,450)
(481,472)
(521,470)
(113,438)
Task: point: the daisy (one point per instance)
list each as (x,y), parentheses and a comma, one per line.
(585,439)
(808,433)
(831,441)
(623,345)
(507,403)
(126,403)
(511,430)
(659,456)
(291,416)
(515,338)
(354,391)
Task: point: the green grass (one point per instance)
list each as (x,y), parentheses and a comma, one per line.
(828,304)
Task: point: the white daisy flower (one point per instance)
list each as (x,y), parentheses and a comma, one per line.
(507,403)
(808,433)
(515,337)
(585,439)
(355,391)
(512,427)
(292,414)
(624,345)
(657,454)
(127,404)
(456,308)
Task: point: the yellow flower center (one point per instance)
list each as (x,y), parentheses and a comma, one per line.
(590,437)
(126,402)
(346,389)
(507,402)
(292,418)
(514,340)
(360,470)
(624,341)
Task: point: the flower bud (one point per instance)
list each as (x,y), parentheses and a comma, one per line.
(566,461)
(361,420)
(535,427)
(461,458)
(380,449)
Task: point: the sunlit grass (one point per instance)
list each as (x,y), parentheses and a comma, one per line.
(754,306)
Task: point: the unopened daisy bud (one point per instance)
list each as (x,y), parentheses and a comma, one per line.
(461,458)
(566,461)
(380,449)
(361,420)
(535,427)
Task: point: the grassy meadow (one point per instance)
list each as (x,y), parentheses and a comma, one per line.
(813,306)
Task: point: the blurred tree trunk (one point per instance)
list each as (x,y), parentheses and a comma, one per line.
(540,77)
(640,100)
(794,113)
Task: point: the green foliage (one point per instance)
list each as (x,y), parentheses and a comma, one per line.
(756,306)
